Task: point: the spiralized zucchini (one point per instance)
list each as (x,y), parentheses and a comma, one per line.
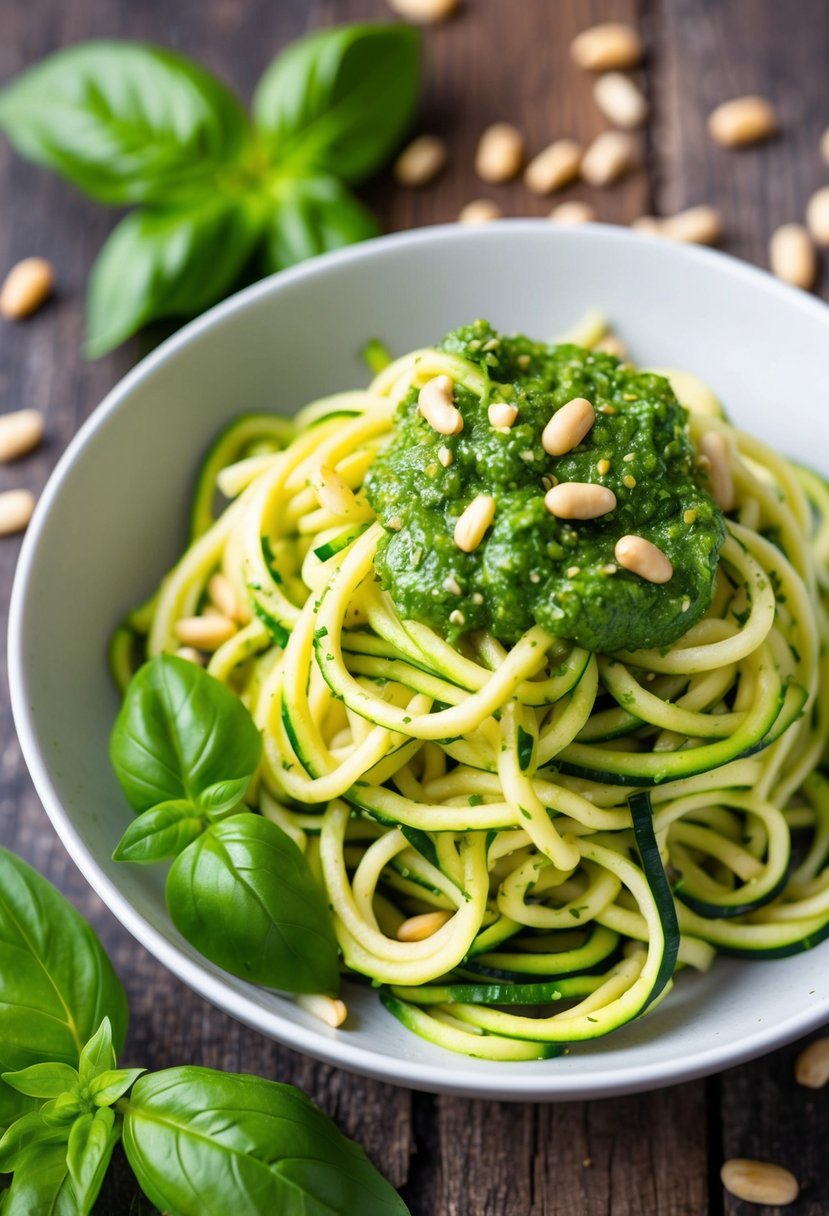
(521,846)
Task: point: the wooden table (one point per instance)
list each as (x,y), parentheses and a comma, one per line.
(652,1155)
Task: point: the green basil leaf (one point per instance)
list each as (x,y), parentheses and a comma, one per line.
(180,733)
(166,263)
(43,1080)
(244,896)
(91,1141)
(109,1086)
(204,1142)
(97,1055)
(12,1106)
(63,1110)
(161,832)
(24,1132)
(339,100)
(313,215)
(56,982)
(41,1185)
(125,123)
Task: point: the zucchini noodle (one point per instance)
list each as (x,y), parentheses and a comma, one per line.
(520,845)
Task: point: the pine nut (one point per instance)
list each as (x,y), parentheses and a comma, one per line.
(574,212)
(436,403)
(330,1010)
(26,287)
(473,522)
(824,145)
(759,1182)
(651,224)
(568,426)
(700,225)
(480,211)
(190,655)
(579,500)
(812,1065)
(611,345)
(553,168)
(334,494)
(715,447)
(204,632)
(16,508)
(418,928)
(224,596)
(424,12)
(620,100)
(817,216)
(609,45)
(792,256)
(20,433)
(421,161)
(445,456)
(502,414)
(611,155)
(500,153)
(641,557)
(743,121)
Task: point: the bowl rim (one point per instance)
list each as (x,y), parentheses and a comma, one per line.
(507,1082)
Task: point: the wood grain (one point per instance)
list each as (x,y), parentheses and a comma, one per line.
(647,1155)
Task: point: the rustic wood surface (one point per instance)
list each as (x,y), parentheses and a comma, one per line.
(651,1155)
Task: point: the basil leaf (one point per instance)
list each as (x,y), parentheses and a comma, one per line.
(125,123)
(161,833)
(243,895)
(179,735)
(97,1055)
(109,1086)
(91,1141)
(204,1142)
(166,263)
(338,101)
(43,1080)
(56,982)
(26,1131)
(312,216)
(41,1185)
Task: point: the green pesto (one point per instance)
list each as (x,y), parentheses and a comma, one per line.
(518,576)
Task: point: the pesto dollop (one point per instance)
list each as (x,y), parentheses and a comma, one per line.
(531,566)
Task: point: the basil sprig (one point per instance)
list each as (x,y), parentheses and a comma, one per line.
(130,124)
(200,1142)
(185,749)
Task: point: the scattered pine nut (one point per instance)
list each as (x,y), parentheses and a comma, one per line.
(759,1182)
(333,492)
(792,256)
(445,456)
(418,928)
(473,522)
(812,1065)
(554,167)
(451,584)
(330,1010)
(480,211)
(579,500)
(500,413)
(191,655)
(651,224)
(621,100)
(224,596)
(436,403)
(424,12)
(743,121)
(421,161)
(16,508)
(500,153)
(603,467)
(702,225)
(714,446)
(609,45)
(457,617)
(204,632)
(817,216)
(20,433)
(639,556)
(568,426)
(26,287)
(574,212)
(611,155)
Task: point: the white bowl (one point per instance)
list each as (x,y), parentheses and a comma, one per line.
(114,514)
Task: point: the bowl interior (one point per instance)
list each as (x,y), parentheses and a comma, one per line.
(114,518)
